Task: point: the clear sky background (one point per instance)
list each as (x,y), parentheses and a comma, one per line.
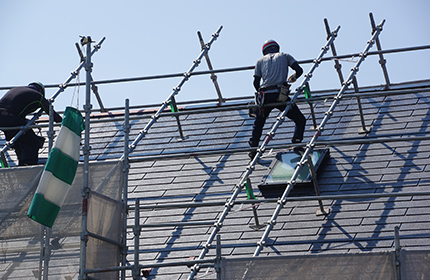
(145,38)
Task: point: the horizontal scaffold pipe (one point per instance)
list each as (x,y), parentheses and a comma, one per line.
(274,200)
(319,143)
(371,93)
(348,94)
(108,240)
(153,265)
(321,94)
(364,92)
(174,224)
(233,69)
(230,107)
(386,138)
(244,68)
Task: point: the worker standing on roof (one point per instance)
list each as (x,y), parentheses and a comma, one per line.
(272,69)
(15,105)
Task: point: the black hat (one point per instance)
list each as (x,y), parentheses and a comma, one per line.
(38,86)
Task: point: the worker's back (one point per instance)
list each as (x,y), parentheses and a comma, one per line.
(21,101)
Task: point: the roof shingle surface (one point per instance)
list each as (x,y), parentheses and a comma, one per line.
(353,225)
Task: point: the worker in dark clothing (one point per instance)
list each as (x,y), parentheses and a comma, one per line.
(272,70)
(15,105)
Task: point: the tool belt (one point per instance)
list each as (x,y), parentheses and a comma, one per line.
(282,90)
(263,89)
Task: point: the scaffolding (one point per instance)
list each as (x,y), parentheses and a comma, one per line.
(120,203)
(311,144)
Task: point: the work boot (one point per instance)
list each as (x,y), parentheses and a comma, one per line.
(298,150)
(252,144)
(252,154)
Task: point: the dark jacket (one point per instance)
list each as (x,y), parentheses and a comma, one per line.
(21,101)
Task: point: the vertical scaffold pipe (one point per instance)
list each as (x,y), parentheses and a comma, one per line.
(60,89)
(86,150)
(126,167)
(238,188)
(176,90)
(311,144)
(47,243)
(136,232)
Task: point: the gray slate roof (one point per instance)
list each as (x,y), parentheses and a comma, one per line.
(352,226)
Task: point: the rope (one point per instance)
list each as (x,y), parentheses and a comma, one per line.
(76,92)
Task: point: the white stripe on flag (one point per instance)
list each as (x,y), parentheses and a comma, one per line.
(67,141)
(53,189)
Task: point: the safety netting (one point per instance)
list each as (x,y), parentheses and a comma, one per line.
(373,265)
(105,218)
(21,237)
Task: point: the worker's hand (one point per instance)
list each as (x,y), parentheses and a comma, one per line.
(292,78)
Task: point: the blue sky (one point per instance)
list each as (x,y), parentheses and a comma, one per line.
(159,37)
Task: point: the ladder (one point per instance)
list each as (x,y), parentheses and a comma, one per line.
(311,144)
(239,187)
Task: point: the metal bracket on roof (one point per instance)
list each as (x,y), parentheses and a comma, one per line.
(176,89)
(213,76)
(250,194)
(382,60)
(307,90)
(363,129)
(337,65)
(321,210)
(174,108)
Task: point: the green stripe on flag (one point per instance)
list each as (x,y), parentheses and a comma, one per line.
(73,120)
(67,141)
(61,166)
(43,211)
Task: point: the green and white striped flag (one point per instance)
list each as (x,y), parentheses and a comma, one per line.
(59,171)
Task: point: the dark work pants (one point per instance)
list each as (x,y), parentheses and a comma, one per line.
(27,146)
(293,114)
